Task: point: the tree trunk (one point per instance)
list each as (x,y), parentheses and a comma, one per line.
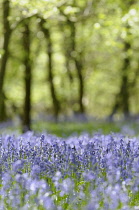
(67,52)
(77,58)
(47,34)
(4,59)
(28,77)
(122,98)
(81,86)
(125,85)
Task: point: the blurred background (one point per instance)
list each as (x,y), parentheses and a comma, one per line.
(64,60)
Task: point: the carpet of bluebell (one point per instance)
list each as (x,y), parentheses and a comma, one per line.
(98,172)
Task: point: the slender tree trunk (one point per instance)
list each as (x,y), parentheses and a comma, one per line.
(47,34)
(28,77)
(67,52)
(122,98)
(125,83)
(68,60)
(4,59)
(81,86)
(77,58)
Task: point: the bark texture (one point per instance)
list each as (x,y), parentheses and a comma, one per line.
(47,34)
(122,98)
(77,58)
(6,40)
(28,77)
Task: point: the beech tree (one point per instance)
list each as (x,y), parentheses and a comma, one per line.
(5,55)
(123,96)
(27,75)
(49,47)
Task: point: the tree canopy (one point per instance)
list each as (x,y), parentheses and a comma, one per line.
(65,57)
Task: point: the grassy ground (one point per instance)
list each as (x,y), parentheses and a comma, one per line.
(65,129)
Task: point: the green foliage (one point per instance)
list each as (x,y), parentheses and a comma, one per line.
(101,31)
